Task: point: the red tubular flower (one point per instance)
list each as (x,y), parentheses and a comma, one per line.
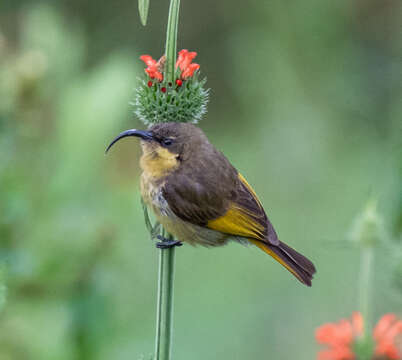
(184,63)
(384,334)
(339,337)
(153,67)
(189,72)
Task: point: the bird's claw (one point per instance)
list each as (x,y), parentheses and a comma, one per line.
(166,244)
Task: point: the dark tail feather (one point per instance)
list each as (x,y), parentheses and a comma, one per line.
(301,267)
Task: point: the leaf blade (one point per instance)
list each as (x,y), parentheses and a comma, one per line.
(143,7)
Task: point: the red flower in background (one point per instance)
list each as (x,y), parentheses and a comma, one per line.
(339,337)
(153,67)
(184,63)
(384,334)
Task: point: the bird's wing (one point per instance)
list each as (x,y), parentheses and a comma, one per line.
(195,197)
(246,216)
(233,209)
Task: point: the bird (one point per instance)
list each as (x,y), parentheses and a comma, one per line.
(200,198)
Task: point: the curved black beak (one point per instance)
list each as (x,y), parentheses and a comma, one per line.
(145,135)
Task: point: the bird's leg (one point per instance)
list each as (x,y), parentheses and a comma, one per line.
(166,243)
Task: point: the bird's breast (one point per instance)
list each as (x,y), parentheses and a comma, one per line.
(152,194)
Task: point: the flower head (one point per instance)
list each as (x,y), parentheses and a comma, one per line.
(184,63)
(179,99)
(384,334)
(342,336)
(339,337)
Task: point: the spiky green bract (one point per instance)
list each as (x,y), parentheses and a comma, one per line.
(185,103)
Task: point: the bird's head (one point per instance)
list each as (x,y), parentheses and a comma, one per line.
(166,146)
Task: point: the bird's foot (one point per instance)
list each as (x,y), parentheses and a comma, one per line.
(166,243)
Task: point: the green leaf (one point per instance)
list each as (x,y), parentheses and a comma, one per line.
(148,223)
(154,229)
(143,6)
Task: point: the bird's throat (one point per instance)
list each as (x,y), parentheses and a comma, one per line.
(157,162)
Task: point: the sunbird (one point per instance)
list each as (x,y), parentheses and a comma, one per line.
(200,198)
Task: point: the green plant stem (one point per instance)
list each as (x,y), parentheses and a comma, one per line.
(366,261)
(171,40)
(164,316)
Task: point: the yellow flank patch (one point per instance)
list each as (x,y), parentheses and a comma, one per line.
(157,161)
(267,250)
(237,222)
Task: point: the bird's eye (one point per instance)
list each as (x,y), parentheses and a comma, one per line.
(167,142)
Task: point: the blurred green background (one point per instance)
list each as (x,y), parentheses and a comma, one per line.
(306,101)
